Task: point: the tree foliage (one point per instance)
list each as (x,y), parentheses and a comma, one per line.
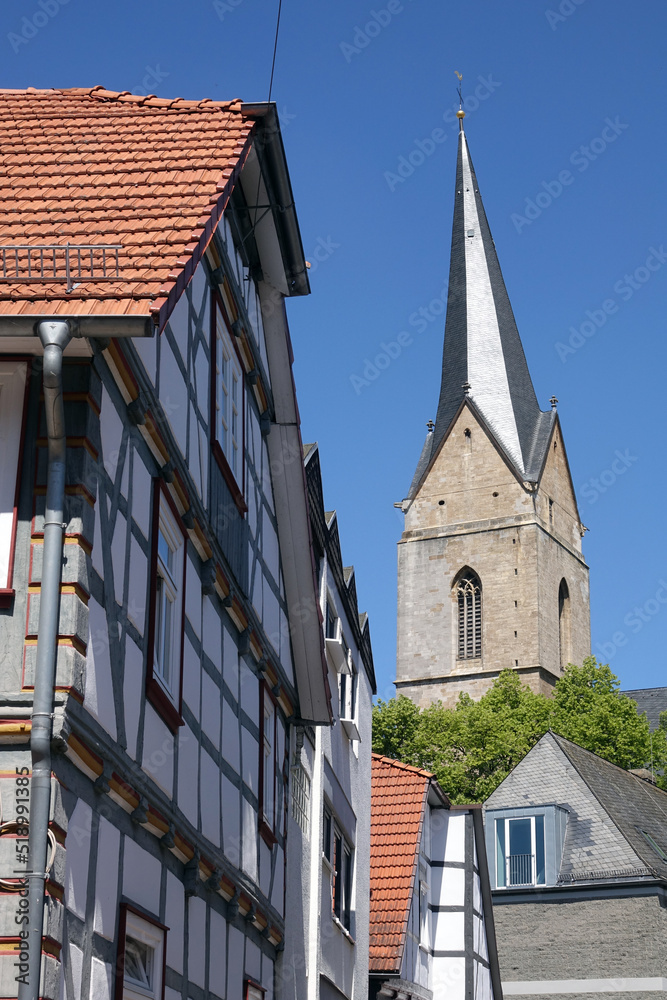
(471,748)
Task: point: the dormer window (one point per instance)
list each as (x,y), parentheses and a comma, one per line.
(520,851)
(525,846)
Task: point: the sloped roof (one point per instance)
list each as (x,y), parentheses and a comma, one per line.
(483,357)
(398,800)
(607,808)
(92,166)
(632,803)
(653,701)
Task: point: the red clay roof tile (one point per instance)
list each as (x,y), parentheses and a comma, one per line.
(96,166)
(398,800)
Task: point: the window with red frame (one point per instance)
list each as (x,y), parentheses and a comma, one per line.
(13,379)
(272,753)
(227,404)
(165,637)
(253,991)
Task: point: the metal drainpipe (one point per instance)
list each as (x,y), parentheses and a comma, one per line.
(54,336)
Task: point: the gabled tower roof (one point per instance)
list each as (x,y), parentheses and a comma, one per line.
(483,356)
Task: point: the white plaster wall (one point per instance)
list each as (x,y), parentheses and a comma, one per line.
(142,873)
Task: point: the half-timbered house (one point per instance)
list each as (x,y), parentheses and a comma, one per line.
(154,546)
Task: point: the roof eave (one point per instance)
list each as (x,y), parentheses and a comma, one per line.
(81,326)
(274,162)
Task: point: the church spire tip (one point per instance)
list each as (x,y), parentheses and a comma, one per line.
(460,114)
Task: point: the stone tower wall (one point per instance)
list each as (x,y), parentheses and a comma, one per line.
(471,511)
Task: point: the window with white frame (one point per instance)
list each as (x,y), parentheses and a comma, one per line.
(300,796)
(520,854)
(228,398)
(330,621)
(12,405)
(142,956)
(340,855)
(343,687)
(166,628)
(347,694)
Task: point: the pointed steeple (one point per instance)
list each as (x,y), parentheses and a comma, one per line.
(483,358)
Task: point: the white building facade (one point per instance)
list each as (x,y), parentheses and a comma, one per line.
(329,826)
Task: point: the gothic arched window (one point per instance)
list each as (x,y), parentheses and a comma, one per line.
(469,601)
(564,624)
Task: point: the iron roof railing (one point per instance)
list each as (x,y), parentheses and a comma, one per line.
(69,262)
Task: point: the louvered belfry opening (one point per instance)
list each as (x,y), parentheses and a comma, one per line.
(469,594)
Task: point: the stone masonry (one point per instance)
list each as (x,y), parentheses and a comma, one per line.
(612,938)
(521,539)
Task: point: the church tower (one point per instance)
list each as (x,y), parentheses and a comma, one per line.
(490,568)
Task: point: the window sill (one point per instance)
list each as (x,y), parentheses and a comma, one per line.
(163,705)
(6,598)
(343,929)
(350,727)
(337,655)
(230,479)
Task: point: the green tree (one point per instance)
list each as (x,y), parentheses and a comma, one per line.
(472,747)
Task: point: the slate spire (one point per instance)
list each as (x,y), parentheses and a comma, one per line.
(483,357)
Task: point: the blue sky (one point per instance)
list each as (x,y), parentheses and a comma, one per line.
(360,88)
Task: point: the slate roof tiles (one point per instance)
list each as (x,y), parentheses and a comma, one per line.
(607,806)
(92,166)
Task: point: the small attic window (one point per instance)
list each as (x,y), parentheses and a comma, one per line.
(555,445)
(470,232)
(651,842)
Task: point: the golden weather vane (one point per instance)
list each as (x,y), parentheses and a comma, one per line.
(460,114)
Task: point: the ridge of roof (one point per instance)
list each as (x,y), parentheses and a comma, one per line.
(100,93)
(154,180)
(576,747)
(399,765)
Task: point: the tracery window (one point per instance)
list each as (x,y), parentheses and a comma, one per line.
(564,624)
(469,598)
